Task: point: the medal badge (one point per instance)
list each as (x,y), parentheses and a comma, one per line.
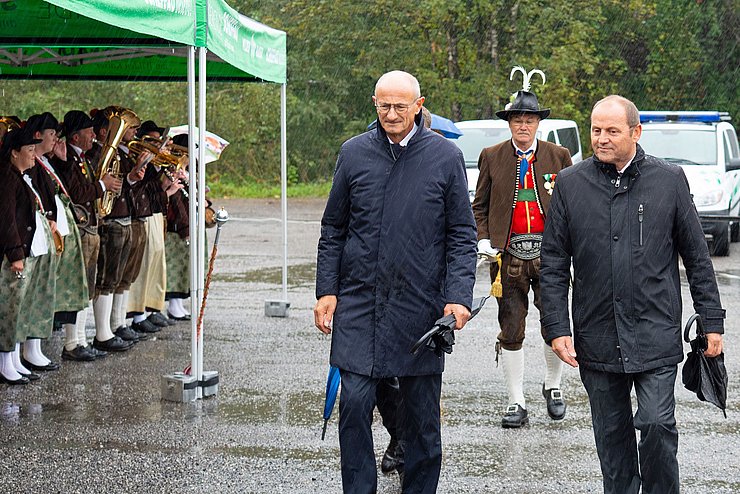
(549,182)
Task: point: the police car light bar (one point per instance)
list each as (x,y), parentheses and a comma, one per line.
(683,116)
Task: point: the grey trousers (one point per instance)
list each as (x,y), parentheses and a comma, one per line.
(655,467)
(418,428)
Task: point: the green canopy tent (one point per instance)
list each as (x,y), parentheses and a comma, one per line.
(150,40)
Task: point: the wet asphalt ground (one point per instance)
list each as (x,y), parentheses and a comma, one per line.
(102,426)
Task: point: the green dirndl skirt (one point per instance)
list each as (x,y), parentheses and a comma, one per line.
(11,295)
(71,278)
(37,315)
(177,257)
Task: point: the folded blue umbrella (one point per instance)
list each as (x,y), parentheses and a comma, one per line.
(332,387)
(446,127)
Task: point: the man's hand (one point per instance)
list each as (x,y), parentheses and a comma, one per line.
(17,266)
(714,345)
(462,314)
(60,150)
(323,312)
(485,248)
(563,348)
(137,174)
(112,183)
(172,188)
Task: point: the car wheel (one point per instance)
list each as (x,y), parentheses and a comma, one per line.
(721,244)
(735,232)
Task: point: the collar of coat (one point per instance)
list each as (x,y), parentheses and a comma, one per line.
(632,171)
(380,131)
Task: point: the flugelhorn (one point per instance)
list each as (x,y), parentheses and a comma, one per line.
(120,120)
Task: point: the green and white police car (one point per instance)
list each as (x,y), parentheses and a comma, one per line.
(704,144)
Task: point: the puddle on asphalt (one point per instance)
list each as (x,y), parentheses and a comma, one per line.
(293,409)
(274,452)
(299,275)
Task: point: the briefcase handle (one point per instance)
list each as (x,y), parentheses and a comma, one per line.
(699,327)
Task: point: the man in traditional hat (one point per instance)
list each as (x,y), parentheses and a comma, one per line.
(77,174)
(511,200)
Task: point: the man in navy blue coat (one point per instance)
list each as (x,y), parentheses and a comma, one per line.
(397,251)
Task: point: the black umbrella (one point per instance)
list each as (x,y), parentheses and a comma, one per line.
(705,376)
(442,335)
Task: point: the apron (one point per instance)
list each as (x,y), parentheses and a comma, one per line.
(71,279)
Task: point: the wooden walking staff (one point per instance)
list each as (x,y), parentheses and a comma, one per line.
(221,217)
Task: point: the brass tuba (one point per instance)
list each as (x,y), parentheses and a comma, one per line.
(119,121)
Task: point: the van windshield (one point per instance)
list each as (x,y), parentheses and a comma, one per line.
(474,140)
(699,146)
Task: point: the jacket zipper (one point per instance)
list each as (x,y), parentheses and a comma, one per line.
(640,211)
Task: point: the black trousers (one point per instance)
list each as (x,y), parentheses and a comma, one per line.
(388,398)
(655,467)
(418,429)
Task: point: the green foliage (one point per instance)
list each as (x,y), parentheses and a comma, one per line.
(663,54)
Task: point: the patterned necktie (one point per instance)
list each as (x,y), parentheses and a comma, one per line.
(524,158)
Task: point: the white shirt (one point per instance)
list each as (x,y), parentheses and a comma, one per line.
(405,141)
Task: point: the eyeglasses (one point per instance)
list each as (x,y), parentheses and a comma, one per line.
(399,107)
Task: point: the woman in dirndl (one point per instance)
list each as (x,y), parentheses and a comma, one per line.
(70,274)
(25,237)
(177,252)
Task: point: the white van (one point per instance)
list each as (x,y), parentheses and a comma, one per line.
(479,134)
(704,144)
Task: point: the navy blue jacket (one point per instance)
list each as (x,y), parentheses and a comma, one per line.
(398,242)
(624,237)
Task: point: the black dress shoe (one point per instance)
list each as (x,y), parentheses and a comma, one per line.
(145,326)
(555,403)
(115,344)
(51,366)
(30,376)
(158,319)
(78,354)
(95,352)
(393,457)
(14,382)
(186,317)
(515,417)
(127,334)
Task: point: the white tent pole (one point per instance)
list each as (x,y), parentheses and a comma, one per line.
(192,222)
(202,252)
(284,185)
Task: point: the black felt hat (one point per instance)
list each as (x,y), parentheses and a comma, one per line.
(524,102)
(149,126)
(75,121)
(41,122)
(16,139)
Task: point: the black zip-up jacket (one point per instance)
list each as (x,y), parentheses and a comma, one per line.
(624,237)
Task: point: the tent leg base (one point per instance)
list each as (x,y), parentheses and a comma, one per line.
(277,308)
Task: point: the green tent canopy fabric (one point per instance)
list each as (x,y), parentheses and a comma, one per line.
(86,39)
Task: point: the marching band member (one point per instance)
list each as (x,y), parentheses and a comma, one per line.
(71,281)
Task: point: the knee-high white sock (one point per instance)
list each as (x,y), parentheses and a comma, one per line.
(102,307)
(118,312)
(513,366)
(175,307)
(7,369)
(70,335)
(32,352)
(16,359)
(80,325)
(554,369)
